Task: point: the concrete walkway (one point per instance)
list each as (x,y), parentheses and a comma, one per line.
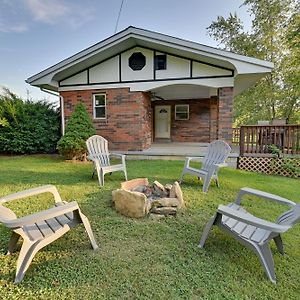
(177,151)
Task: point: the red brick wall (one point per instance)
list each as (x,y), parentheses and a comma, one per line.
(129,116)
(129,123)
(225,115)
(201,126)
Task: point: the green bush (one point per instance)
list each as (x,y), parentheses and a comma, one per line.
(79,128)
(27,126)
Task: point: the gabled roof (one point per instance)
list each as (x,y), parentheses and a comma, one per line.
(132,36)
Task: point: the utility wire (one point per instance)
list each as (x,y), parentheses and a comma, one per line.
(117,23)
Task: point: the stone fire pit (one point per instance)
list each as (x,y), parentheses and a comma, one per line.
(136,198)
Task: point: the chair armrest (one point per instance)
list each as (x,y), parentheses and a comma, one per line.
(188,159)
(43,215)
(221,165)
(118,155)
(251,220)
(31,192)
(261,194)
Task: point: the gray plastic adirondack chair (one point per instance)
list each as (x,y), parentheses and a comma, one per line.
(42,228)
(217,153)
(98,153)
(253,232)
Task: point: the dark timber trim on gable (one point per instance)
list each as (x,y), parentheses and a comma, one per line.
(154,71)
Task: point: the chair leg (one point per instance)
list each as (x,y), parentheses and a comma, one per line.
(100,176)
(125,173)
(266,259)
(12,243)
(217,182)
(206,231)
(206,183)
(89,231)
(279,244)
(26,255)
(181,177)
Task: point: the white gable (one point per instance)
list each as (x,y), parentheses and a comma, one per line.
(106,65)
(200,69)
(177,67)
(107,71)
(80,78)
(117,70)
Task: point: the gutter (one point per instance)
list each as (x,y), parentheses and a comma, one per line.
(48,92)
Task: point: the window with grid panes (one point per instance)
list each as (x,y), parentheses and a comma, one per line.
(99,105)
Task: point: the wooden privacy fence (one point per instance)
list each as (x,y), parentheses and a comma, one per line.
(258,140)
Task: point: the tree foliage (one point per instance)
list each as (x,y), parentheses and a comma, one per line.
(79,128)
(274,36)
(27,126)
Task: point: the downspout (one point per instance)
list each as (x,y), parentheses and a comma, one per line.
(62,113)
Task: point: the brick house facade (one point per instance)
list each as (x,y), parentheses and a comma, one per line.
(128,125)
(130,117)
(141,86)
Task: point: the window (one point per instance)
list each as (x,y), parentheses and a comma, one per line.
(182,112)
(137,61)
(160,62)
(99,105)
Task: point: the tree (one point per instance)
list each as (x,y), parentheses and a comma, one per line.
(274,36)
(27,126)
(79,128)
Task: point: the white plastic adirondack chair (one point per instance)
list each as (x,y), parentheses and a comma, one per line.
(98,153)
(253,232)
(217,153)
(42,228)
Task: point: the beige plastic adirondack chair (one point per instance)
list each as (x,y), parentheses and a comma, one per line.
(98,153)
(253,232)
(42,228)
(214,159)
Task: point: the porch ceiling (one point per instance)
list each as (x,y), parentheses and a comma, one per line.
(183,91)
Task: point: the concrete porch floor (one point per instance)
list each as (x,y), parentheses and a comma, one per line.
(178,151)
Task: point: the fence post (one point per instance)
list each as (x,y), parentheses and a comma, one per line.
(242,141)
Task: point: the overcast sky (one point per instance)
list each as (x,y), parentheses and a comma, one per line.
(36,34)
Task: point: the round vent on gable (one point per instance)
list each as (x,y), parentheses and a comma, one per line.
(137,61)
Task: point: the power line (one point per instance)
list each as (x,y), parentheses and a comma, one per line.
(117,23)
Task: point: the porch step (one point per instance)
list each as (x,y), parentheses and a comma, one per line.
(231,161)
(177,151)
(162,141)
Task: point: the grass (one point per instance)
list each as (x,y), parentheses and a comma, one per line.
(145,259)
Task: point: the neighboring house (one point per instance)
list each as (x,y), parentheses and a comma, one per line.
(141,86)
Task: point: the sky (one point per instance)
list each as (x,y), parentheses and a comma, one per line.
(36,34)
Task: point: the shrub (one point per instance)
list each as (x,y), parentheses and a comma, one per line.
(27,126)
(79,128)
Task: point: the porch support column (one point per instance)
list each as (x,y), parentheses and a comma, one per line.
(225,115)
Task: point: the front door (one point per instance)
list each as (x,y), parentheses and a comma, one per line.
(163,121)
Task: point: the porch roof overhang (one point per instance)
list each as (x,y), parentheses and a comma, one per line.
(247,70)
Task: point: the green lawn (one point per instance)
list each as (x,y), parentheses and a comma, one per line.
(145,259)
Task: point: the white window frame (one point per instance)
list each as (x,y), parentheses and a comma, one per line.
(188,112)
(94,106)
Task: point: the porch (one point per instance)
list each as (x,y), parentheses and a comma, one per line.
(178,151)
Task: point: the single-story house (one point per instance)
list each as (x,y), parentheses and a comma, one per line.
(141,86)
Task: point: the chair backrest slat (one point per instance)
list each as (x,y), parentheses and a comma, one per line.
(217,152)
(98,147)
